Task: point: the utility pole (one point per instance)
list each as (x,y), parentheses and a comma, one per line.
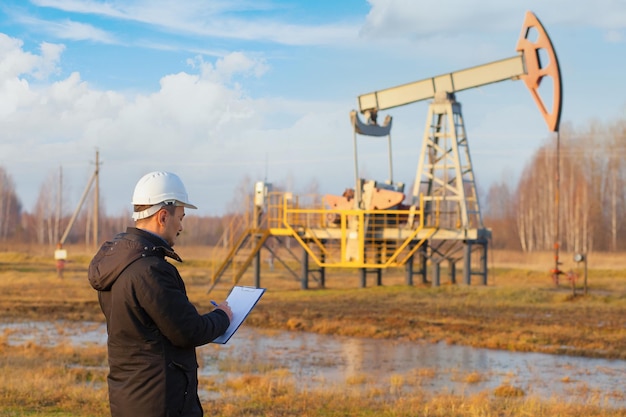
(94,178)
(59,210)
(96,202)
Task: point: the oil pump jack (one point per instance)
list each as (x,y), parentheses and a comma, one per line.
(371,226)
(445,177)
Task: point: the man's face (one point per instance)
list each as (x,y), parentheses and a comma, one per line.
(173,225)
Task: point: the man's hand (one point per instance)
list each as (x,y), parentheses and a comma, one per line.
(226,309)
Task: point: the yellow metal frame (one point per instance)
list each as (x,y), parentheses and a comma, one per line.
(352,238)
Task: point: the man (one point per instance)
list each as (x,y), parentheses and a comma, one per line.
(153,329)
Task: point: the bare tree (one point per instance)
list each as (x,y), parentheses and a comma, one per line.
(577,194)
(44,211)
(535,209)
(616,181)
(10,207)
(590,197)
(499,214)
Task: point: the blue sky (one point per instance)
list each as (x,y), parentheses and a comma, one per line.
(220,91)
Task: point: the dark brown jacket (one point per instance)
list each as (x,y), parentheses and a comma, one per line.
(153,329)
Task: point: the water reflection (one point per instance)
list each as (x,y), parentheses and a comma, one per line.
(320,360)
(314,358)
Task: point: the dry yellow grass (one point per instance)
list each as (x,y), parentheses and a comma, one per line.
(519,310)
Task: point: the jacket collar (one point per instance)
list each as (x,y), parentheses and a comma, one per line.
(157,243)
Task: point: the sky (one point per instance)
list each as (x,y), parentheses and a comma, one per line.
(230,92)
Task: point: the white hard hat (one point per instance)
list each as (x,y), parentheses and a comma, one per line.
(157,189)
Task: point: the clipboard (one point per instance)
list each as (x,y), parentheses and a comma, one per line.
(241,301)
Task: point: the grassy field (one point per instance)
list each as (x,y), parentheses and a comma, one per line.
(519,310)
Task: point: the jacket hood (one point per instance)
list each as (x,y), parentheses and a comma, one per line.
(116,255)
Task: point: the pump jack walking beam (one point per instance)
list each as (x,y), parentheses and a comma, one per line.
(526,65)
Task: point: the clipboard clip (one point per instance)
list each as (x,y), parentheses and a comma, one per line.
(250,288)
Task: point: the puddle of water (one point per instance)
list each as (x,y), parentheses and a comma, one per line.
(315,360)
(321,359)
(46,333)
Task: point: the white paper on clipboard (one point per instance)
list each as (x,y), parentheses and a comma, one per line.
(241,301)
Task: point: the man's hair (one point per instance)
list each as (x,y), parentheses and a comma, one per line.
(171,208)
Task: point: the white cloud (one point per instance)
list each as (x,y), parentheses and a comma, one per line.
(50,57)
(66,29)
(77,31)
(82,6)
(401,18)
(418,19)
(198,124)
(13,60)
(17,65)
(228,66)
(218,19)
(444,22)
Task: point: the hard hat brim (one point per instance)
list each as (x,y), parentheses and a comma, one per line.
(187,205)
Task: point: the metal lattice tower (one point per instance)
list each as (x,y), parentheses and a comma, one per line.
(444,173)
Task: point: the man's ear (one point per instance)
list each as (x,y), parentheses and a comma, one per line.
(162,216)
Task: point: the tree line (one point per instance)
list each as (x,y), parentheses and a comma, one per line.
(579,196)
(587,189)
